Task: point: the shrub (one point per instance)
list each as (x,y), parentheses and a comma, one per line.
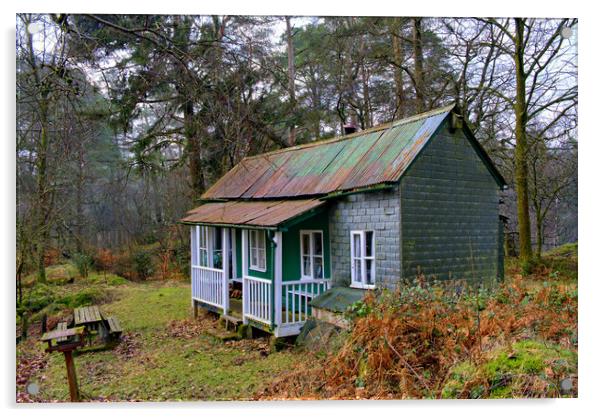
(122,266)
(406,343)
(109,279)
(38,297)
(51,256)
(85,297)
(182,256)
(104,260)
(527,368)
(83,263)
(142,262)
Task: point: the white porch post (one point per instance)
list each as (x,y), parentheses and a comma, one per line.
(194,239)
(233,248)
(278,281)
(245,285)
(226,274)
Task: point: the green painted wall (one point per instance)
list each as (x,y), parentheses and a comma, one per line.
(238,237)
(291,249)
(449,213)
(269,258)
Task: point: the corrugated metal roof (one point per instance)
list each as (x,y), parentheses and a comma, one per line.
(374,156)
(250,213)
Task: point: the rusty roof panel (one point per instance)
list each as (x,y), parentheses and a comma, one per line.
(403,159)
(378,155)
(267,213)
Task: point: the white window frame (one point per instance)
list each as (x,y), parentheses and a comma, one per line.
(213,234)
(203,231)
(258,249)
(362,258)
(312,254)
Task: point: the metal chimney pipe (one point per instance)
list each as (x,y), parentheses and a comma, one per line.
(349,128)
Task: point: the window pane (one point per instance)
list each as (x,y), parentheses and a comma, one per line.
(369,272)
(306,264)
(217,259)
(252,241)
(217,247)
(202,237)
(318,270)
(305,244)
(204,257)
(369,243)
(317,244)
(261,256)
(356,246)
(357,266)
(253,257)
(261,239)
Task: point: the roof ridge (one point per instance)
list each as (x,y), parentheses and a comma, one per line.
(382,126)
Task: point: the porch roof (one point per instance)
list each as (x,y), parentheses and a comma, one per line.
(265,214)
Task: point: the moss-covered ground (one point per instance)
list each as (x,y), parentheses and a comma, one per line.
(164,355)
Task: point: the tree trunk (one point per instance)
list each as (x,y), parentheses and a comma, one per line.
(521,172)
(197,182)
(366,106)
(418,61)
(79,209)
(398,73)
(41,209)
(539,223)
(290,49)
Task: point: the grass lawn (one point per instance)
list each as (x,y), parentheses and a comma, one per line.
(164,355)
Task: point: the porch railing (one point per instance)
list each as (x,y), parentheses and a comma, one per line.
(257,299)
(208,285)
(296,298)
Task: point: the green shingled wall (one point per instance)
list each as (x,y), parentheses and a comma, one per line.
(449,213)
(291,249)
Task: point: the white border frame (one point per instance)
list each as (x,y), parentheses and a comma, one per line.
(362,258)
(265,251)
(310,232)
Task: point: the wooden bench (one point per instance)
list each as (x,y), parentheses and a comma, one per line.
(61,326)
(115,329)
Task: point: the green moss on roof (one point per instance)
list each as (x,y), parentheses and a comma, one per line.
(337,299)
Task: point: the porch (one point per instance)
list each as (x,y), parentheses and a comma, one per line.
(275,290)
(281,310)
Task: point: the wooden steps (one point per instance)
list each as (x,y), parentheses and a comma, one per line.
(233,320)
(222,334)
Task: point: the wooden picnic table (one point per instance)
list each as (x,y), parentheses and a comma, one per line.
(87,315)
(96,323)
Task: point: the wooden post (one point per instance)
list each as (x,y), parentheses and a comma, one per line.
(195,309)
(278,281)
(66,341)
(245,286)
(71,376)
(226,270)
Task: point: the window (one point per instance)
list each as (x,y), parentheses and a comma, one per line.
(312,254)
(257,250)
(203,239)
(216,247)
(363,268)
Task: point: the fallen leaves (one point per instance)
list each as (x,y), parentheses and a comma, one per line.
(406,348)
(29,364)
